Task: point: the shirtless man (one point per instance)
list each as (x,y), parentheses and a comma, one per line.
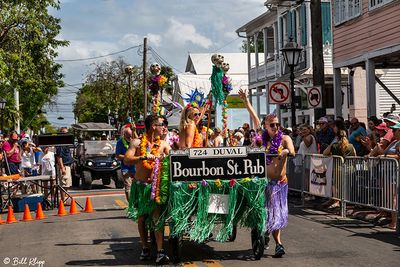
(277,188)
(142,153)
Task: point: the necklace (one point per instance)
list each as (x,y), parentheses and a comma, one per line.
(145,149)
(274,145)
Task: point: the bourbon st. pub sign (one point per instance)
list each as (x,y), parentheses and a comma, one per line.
(196,164)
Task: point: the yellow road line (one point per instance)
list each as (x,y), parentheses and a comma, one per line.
(212,263)
(121,203)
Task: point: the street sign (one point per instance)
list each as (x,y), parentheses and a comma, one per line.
(278,92)
(222,163)
(314,97)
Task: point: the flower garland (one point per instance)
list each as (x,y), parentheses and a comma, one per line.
(156,83)
(197,140)
(144,151)
(225,119)
(226,88)
(156,104)
(155,179)
(256,139)
(274,145)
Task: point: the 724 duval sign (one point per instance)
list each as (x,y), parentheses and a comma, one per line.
(223,163)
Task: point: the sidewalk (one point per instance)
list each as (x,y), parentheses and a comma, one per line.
(363,216)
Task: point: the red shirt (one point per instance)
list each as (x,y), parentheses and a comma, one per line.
(15,158)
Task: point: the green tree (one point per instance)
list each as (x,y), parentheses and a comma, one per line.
(27,51)
(260,45)
(106,90)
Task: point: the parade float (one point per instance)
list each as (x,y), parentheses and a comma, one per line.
(209,191)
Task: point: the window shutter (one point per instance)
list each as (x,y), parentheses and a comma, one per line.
(326,22)
(303,24)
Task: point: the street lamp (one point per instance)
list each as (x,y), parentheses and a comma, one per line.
(2,107)
(291,53)
(129,71)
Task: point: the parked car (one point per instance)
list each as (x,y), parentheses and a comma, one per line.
(95,159)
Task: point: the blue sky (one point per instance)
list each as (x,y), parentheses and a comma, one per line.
(173,28)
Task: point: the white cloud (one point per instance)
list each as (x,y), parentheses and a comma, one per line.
(130,39)
(84,49)
(180,34)
(154,39)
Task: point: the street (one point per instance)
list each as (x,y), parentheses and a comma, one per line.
(106,237)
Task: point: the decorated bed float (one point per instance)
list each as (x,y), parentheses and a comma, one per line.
(210,191)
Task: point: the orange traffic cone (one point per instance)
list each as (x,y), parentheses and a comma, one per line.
(27,214)
(39,212)
(1,220)
(73,209)
(10,215)
(88,207)
(61,209)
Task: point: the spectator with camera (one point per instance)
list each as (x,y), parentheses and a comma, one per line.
(13,155)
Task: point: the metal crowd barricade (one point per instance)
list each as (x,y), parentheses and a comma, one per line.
(298,171)
(372,182)
(295,173)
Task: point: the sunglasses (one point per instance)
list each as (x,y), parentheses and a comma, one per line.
(158,124)
(354,123)
(272,125)
(196,114)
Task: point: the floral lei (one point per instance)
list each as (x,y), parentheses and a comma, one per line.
(144,151)
(274,146)
(196,139)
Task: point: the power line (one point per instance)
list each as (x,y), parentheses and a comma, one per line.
(91,58)
(237,38)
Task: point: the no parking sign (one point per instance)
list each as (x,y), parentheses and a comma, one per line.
(314,97)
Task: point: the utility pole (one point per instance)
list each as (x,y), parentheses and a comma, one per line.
(317,54)
(17,126)
(145,76)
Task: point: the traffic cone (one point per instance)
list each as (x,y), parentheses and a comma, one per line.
(10,215)
(61,209)
(1,220)
(88,207)
(39,212)
(27,214)
(73,209)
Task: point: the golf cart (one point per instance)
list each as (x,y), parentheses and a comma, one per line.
(95,155)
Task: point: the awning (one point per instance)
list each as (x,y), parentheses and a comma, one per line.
(93,126)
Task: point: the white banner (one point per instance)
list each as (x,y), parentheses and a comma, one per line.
(321,176)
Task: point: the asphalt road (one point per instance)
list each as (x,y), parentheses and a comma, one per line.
(107,238)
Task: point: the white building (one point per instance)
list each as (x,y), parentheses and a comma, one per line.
(197,76)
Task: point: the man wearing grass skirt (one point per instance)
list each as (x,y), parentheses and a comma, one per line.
(144,153)
(277,189)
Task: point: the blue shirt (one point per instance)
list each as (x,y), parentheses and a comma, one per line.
(65,153)
(121,150)
(324,138)
(354,139)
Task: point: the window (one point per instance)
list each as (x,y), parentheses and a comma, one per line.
(326,22)
(348,9)
(377,3)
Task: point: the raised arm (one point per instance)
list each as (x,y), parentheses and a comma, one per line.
(203,110)
(253,114)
